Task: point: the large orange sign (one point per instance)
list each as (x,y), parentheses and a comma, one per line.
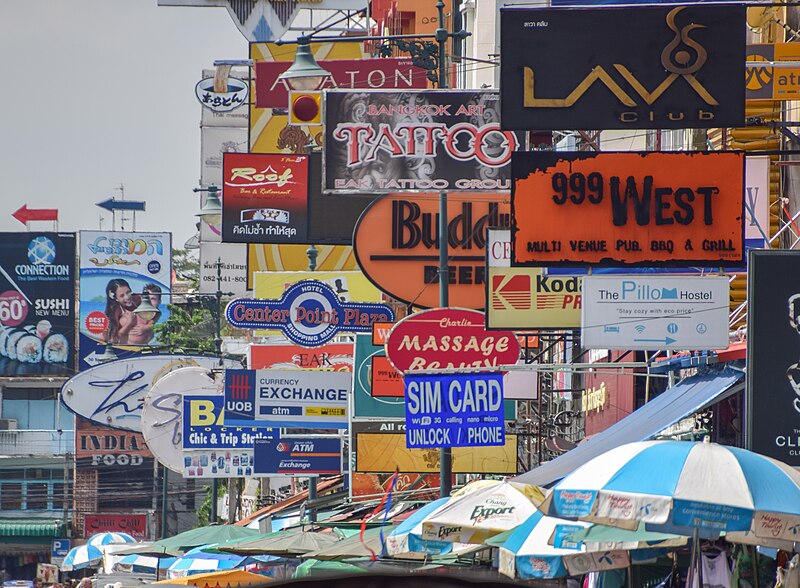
(396,246)
(627,208)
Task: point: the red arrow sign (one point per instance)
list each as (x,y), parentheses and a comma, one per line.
(26,215)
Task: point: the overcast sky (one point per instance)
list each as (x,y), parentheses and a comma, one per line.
(98,93)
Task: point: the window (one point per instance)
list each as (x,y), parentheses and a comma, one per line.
(11,496)
(36,496)
(31,489)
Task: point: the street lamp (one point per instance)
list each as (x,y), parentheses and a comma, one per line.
(305,74)
(211,211)
(146,310)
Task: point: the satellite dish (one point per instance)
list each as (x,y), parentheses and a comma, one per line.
(760,16)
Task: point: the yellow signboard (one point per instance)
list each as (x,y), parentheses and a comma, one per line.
(294,258)
(773,83)
(526,298)
(383,452)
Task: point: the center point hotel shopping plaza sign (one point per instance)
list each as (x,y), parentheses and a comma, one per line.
(287,398)
(388,141)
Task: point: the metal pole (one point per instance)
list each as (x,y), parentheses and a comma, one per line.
(312,497)
(164,502)
(212,518)
(445,456)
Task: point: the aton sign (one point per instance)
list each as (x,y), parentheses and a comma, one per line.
(300,457)
(264,198)
(309,313)
(403,261)
(663,312)
(448,338)
(677,67)
(627,208)
(454,410)
(382,141)
(287,398)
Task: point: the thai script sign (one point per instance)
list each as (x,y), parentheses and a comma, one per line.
(628,208)
(389,141)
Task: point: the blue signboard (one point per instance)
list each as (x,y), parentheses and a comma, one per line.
(309,313)
(454,410)
(60,548)
(203,427)
(301,457)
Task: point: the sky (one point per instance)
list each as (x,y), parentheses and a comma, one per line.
(98,93)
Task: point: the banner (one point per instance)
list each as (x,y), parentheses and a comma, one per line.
(773,83)
(336,357)
(773,355)
(287,398)
(756,205)
(648,67)
(374,382)
(454,410)
(660,312)
(218,463)
(233,275)
(381,447)
(119,269)
(580,208)
(300,457)
(132,524)
(37,304)
(389,141)
(264,198)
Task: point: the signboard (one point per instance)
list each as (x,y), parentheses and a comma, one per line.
(333,356)
(773,349)
(454,410)
(381,447)
(204,428)
(113,393)
(218,463)
(238,116)
(523,297)
(132,524)
(99,446)
(46,574)
(300,457)
(655,312)
(375,399)
(60,548)
(627,208)
(233,277)
(448,338)
(675,68)
(309,313)
(348,285)
(773,83)
(756,201)
(281,259)
(215,142)
(117,270)
(435,140)
(397,248)
(234,95)
(287,398)
(264,198)
(361,74)
(37,304)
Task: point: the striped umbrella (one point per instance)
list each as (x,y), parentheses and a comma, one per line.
(106,538)
(144,563)
(407,536)
(202,559)
(83,556)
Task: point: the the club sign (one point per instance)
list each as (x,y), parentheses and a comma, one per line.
(309,313)
(448,338)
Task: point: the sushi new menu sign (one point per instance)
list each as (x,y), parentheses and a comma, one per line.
(37,304)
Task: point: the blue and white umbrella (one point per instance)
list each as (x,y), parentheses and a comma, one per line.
(407,536)
(683,487)
(106,538)
(202,559)
(83,556)
(145,563)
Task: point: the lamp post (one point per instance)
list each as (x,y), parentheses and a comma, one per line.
(306,74)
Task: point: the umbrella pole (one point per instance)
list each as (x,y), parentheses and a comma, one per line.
(754,559)
(693,559)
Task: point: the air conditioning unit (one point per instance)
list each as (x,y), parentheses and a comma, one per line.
(8,424)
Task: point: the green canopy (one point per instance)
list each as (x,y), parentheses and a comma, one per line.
(183,542)
(353,547)
(315,567)
(284,543)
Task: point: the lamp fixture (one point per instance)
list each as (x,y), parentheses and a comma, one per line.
(304,74)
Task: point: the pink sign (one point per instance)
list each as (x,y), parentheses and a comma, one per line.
(361,74)
(448,338)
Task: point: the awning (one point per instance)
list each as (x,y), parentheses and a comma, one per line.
(29,528)
(689,396)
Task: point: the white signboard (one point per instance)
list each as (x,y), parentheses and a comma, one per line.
(214,141)
(224,109)
(756,200)
(233,258)
(113,393)
(218,463)
(665,312)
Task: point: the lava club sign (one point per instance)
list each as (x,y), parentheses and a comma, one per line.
(309,313)
(404,260)
(448,338)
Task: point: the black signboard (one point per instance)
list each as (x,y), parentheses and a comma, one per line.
(37,304)
(656,67)
(773,354)
(427,141)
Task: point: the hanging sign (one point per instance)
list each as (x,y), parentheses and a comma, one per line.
(454,410)
(309,313)
(301,457)
(627,208)
(448,338)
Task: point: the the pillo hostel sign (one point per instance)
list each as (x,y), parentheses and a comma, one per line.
(677,67)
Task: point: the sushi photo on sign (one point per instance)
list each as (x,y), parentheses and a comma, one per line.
(37,304)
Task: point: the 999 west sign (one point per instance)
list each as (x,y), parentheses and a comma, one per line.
(627,208)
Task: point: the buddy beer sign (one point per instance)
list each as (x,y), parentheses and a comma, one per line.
(309,313)
(455,410)
(448,338)
(623,68)
(628,208)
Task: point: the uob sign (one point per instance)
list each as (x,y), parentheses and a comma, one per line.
(679,67)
